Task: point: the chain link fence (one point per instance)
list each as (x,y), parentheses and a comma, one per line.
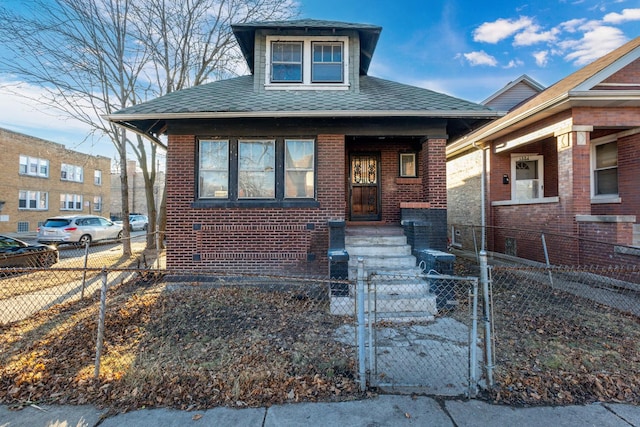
(534,333)
(422,332)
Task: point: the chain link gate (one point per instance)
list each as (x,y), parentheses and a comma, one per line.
(421,333)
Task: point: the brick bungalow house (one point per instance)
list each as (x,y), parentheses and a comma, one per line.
(261,167)
(564,162)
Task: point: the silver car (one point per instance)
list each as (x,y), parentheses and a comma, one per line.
(79,229)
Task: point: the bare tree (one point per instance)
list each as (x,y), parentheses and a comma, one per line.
(94,57)
(190,43)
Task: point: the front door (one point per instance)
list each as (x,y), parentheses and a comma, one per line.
(364,187)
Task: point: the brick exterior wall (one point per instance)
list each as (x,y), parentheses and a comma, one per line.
(567,175)
(251,240)
(12,146)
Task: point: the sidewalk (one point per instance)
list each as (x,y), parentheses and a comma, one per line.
(384,410)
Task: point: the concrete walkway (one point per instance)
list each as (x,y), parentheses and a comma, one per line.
(381,411)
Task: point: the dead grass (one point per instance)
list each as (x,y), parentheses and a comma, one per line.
(196,347)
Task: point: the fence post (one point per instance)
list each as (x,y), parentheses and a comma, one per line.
(484,278)
(84,271)
(101,316)
(361,324)
(473,387)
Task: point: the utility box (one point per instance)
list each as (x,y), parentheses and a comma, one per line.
(438,262)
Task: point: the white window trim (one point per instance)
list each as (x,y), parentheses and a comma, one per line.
(307,64)
(38,195)
(603,198)
(515,157)
(39,163)
(97,177)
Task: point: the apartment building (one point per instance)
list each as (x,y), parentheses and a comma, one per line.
(42,178)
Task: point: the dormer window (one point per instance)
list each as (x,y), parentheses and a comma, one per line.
(294,62)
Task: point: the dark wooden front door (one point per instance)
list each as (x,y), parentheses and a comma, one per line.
(364,187)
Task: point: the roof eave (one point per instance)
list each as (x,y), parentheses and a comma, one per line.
(493,130)
(122,118)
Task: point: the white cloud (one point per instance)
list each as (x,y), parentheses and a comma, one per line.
(493,32)
(572,25)
(532,35)
(514,63)
(541,57)
(626,16)
(594,44)
(480,58)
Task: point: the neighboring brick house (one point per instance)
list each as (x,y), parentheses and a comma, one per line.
(259,166)
(566,161)
(42,178)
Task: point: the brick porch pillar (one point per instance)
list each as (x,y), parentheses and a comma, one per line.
(574,184)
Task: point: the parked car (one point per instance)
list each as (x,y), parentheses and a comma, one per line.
(138,222)
(16,253)
(80,229)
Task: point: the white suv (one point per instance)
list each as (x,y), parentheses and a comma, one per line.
(80,229)
(138,222)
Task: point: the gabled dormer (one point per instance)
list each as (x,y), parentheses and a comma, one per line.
(307,54)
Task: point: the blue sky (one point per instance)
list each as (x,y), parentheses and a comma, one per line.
(464,48)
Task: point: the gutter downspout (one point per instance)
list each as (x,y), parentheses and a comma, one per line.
(484,272)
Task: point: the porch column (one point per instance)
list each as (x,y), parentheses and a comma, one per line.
(434,172)
(574,185)
(574,170)
(426,222)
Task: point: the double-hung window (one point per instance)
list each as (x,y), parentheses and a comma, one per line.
(605,169)
(299,163)
(286,62)
(213,182)
(256,169)
(97,177)
(327,62)
(261,171)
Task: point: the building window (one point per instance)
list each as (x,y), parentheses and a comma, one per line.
(327,62)
(526,177)
(70,202)
(97,203)
(33,200)
(269,170)
(286,62)
(97,177)
(34,166)
(299,161)
(408,165)
(256,169)
(605,169)
(71,173)
(214,170)
(307,63)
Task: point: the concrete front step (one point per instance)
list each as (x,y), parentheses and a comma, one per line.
(356,251)
(373,240)
(400,307)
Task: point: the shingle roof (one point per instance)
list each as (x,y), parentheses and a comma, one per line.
(237,95)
